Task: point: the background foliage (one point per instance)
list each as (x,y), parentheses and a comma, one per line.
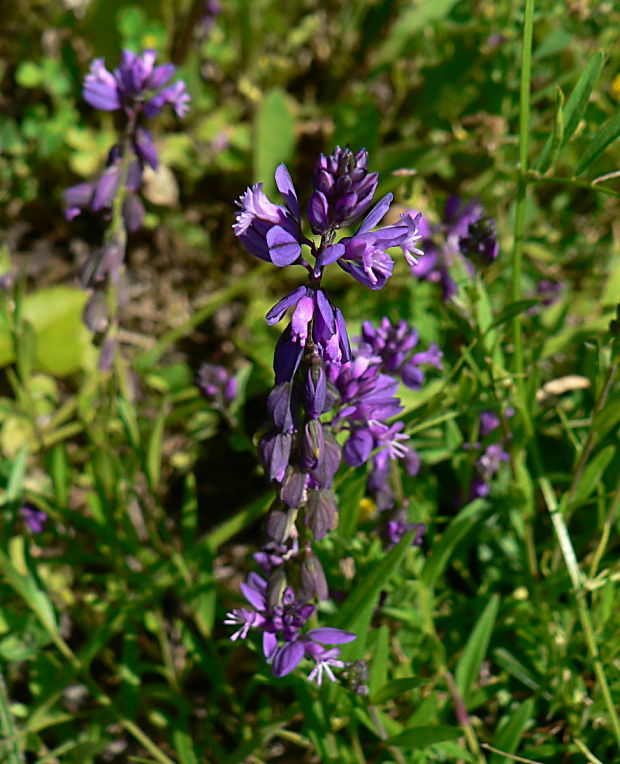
(111,639)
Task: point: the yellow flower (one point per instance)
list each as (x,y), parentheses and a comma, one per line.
(615,87)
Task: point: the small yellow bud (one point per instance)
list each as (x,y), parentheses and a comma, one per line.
(367,509)
(615,87)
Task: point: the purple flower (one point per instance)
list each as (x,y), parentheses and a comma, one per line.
(398,526)
(394,346)
(269,231)
(284,644)
(136,85)
(480,241)
(216,384)
(343,189)
(314,319)
(34,518)
(465,231)
(365,253)
(489,421)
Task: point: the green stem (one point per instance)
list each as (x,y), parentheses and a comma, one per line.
(534,177)
(580,592)
(607,528)
(519,229)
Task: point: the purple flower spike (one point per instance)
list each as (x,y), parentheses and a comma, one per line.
(343,189)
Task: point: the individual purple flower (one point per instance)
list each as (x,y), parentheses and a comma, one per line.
(487,467)
(489,421)
(270,231)
(314,319)
(216,384)
(548,292)
(365,253)
(34,518)
(398,526)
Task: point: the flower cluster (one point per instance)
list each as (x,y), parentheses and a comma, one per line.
(466,235)
(330,403)
(216,384)
(139,89)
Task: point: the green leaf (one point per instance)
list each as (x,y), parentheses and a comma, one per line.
(593,474)
(379,663)
(512,310)
(350,493)
(553,144)
(606,419)
(357,610)
(579,97)
(184,746)
(567,117)
(23,582)
(456,531)
(130,422)
(515,668)
(153,454)
(395,688)
(409,23)
(275,137)
(600,140)
(422,737)
(511,731)
(468,667)
(63,343)
(16,476)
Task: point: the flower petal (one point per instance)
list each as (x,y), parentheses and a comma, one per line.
(376,213)
(284,248)
(285,186)
(330,636)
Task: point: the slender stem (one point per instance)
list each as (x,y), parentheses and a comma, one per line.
(589,444)
(510,756)
(519,229)
(579,590)
(533,177)
(381,731)
(607,528)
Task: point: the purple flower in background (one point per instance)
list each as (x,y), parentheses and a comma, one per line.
(464,232)
(480,241)
(136,85)
(216,384)
(34,518)
(140,89)
(489,461)
(394,345)
(398,526)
